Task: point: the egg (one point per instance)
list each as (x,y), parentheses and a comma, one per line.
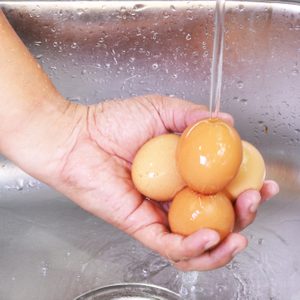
(154,171)
(251,174)
(191,211)
(209,155)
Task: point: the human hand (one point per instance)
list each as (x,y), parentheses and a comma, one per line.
(95,172)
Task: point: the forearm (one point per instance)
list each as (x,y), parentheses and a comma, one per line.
(24,87)
(31,109)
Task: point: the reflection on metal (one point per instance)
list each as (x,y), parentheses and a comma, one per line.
(50,248)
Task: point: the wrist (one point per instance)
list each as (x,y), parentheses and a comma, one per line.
(36,140)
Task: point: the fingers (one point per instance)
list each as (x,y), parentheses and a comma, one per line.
(248,202)
(269,189)
(191,246)
(177,114)
(174,246)
(245,208)
(216,258)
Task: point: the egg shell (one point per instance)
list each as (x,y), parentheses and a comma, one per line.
(191,211)
(208,155)
(251,174)
(154,170)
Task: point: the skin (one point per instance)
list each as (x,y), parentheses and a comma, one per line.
(85,152)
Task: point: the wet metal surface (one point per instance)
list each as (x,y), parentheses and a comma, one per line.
(50,249)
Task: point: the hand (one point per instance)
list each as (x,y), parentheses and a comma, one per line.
(93,170)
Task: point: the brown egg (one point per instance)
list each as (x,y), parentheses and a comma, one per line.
(208,155)
(191,211)
(154,171)
(251,174)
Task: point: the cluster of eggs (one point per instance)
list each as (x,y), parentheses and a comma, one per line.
(202,171)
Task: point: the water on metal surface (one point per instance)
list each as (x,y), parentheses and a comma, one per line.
(50,248)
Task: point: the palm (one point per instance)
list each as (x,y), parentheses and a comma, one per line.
(97,175)
(113,142)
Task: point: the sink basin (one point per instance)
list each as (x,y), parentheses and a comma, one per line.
(50,248)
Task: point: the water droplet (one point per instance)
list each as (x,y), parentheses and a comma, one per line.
(241,7)
(44,268)
(39,56)
(154,35)
(172,7)
(123,9)
(145,272)
(188,37)
(20,184)
(80,11)
(205,54)
(240,84)
(74,45)
(183,291)
(155,66)
(221,288)
(295,72)
(175,76)
(244,101)
(83,72)
(297,27)
(138,7)
(260,241)
(37,43)
(189,14)
(166,15)
(32,183)
(100,41)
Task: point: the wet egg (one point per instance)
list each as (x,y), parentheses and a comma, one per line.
(209,155)
(191,211)
(154,171)
(251,174)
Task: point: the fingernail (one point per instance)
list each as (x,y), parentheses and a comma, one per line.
(236,251)
(213,241)
(275,189)
(255,203)
(253,207)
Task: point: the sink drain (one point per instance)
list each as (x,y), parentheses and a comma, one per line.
(130,291)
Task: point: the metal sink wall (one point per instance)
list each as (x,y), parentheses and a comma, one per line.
(50,248)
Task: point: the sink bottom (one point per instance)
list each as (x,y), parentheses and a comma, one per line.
(133,291)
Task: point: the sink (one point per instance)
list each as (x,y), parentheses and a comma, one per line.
(97,50)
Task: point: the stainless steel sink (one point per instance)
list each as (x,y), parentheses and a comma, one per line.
(50,248)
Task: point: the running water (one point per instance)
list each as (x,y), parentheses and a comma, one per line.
(217,59)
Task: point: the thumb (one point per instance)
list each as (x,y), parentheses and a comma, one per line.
(177,114)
